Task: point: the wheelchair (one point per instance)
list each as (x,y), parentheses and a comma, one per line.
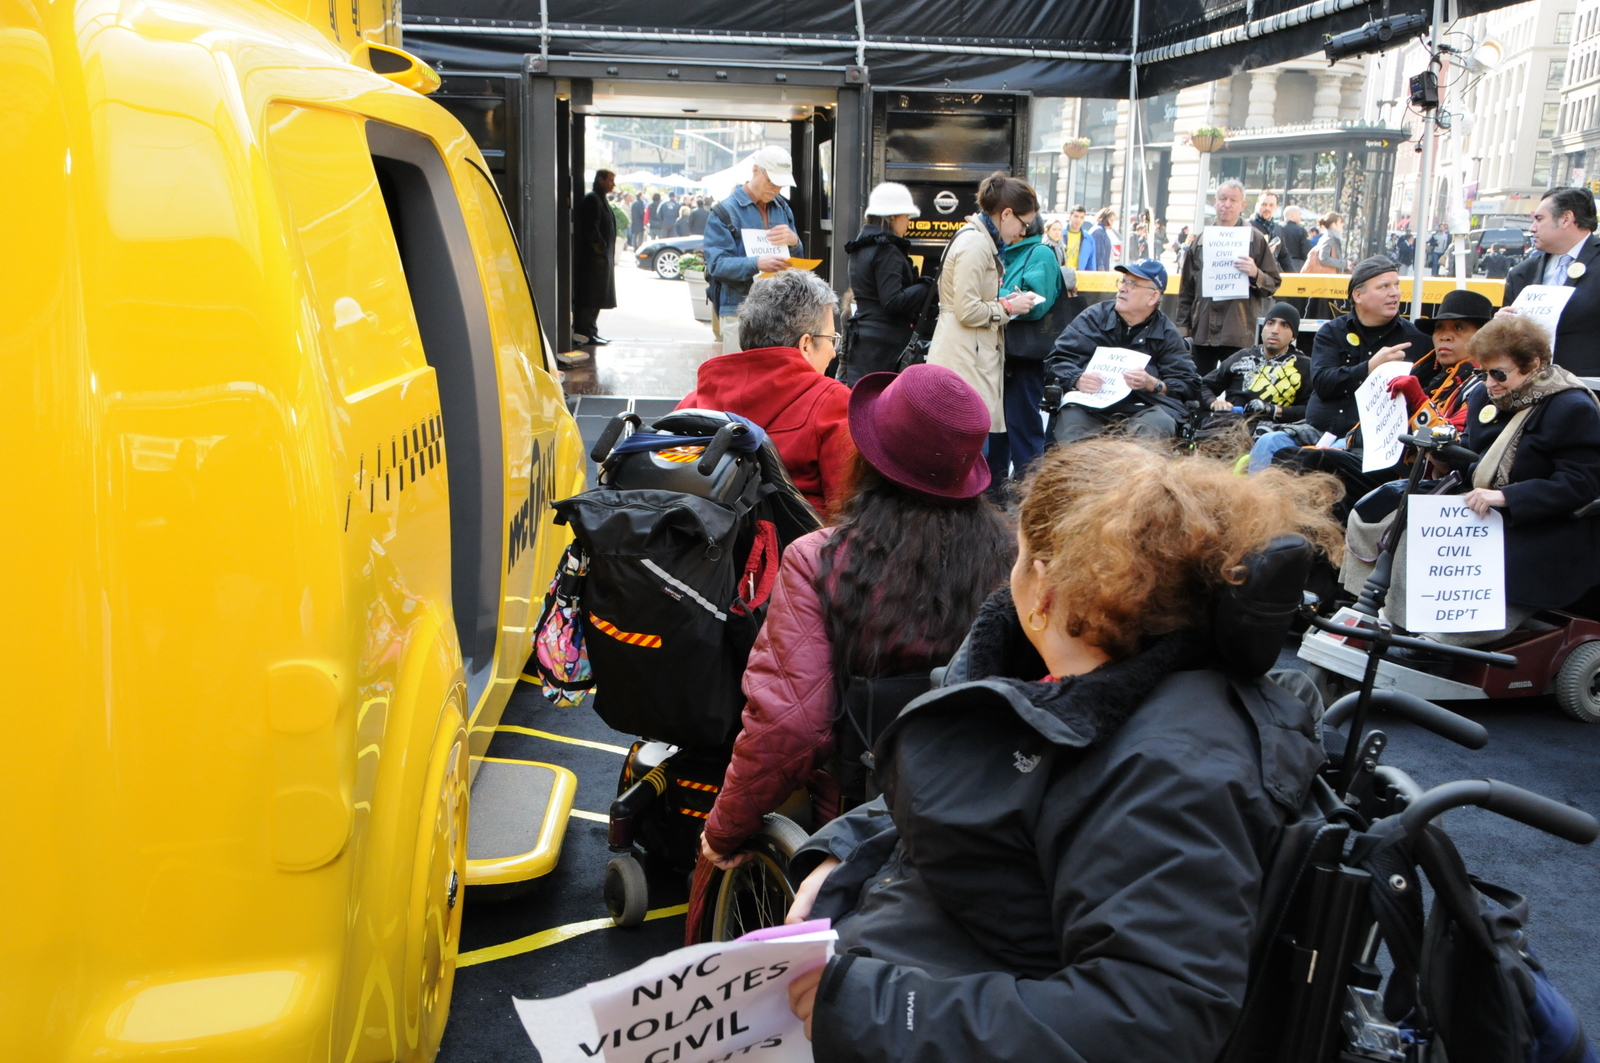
(664,797)
(1555,652)
(1318,991)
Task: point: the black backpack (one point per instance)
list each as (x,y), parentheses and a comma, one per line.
(681,540)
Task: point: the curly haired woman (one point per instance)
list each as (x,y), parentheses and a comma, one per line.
(1068,858)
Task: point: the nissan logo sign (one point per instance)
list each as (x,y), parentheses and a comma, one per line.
(945,202)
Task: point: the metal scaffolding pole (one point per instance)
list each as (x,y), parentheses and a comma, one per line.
(1128,171)
(1422,202)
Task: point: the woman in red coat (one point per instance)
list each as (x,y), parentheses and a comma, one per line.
(788,326)
(889,592)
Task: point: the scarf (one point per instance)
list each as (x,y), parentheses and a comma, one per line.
(1495,469)
(999,244)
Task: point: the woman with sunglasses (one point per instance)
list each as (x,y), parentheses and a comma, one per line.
(1537,428)
(970,335)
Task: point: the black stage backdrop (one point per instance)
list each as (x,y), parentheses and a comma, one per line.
(1054,48)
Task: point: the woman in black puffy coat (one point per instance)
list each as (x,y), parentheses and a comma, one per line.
(1067,860)
(888,294)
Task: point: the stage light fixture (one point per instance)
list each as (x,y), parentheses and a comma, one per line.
(1376,36)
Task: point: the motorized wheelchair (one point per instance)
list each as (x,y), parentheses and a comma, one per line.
(680,543)
(1364,836)
(1556,652)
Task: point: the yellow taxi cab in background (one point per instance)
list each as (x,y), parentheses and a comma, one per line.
(282,429)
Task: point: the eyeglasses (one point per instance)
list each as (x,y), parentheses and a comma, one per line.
(1497,375)
(1131,284)
(831,337)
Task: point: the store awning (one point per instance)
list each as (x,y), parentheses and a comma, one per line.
(1052,48)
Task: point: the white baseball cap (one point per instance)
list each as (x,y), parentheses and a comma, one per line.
(777,163)
(889,199)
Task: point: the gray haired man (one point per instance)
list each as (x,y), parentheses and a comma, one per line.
(1217,328)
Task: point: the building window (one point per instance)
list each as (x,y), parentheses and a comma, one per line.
(1564,27)
(1558,72)
(1552,118)
(1541,168)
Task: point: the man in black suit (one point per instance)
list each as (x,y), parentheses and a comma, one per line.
(1296,245)
(1565,253)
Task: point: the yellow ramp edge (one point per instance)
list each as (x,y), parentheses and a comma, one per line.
(541,859)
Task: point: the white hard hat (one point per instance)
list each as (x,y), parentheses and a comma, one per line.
(889,199)
(777,164)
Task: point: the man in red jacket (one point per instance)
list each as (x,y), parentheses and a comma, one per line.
(787,323)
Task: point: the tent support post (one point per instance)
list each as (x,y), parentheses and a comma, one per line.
(1129,201)
(1422,202)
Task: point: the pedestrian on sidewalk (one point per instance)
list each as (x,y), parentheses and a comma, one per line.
(594,249)
(636,214)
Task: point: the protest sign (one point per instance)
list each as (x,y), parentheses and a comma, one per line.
(695,1005)
(1543,303)
(1219,278)
(756,244)
(1455,566)
(1109,363)
(1383,419)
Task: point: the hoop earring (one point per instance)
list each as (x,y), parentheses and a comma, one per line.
(1044,620)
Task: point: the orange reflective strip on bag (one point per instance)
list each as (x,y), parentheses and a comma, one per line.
(649,642)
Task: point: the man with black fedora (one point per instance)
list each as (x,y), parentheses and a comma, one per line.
(1566,252)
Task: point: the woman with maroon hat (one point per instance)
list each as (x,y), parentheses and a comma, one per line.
(864,610)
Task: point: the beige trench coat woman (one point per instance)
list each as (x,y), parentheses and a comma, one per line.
(970,335)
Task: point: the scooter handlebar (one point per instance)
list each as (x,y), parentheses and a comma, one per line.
(1513,802)
(1423,713)
(610,434)
(719,446)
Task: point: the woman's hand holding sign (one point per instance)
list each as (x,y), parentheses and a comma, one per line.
(1481,500)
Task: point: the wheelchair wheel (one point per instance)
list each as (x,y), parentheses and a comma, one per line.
(758,892)
(626,891)
(1577,684)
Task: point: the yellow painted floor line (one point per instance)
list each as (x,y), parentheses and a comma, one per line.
(579,813)
(514,729)
(554,936)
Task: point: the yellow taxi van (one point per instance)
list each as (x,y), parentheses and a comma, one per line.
(282,430)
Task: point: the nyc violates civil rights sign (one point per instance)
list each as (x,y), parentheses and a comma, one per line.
(701,1004)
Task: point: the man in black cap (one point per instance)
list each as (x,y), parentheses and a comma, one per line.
(1347,349)
(1267,382)
(1154,403)
(1352,345)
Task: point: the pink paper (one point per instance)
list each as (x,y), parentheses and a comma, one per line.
(811,926)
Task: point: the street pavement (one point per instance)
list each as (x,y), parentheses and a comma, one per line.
(656,344)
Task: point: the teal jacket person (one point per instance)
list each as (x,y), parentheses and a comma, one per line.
(1032,267)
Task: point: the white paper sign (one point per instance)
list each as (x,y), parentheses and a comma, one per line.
(693,1005)
(1109,363)
(1455,566)
(1219,278)
(756,244)
(1543,303)
(1383,419)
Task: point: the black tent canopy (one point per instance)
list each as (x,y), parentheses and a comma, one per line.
(1054,48)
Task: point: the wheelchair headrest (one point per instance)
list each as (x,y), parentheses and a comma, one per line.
(1250,620)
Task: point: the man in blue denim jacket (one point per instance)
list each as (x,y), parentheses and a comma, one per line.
(756,205)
